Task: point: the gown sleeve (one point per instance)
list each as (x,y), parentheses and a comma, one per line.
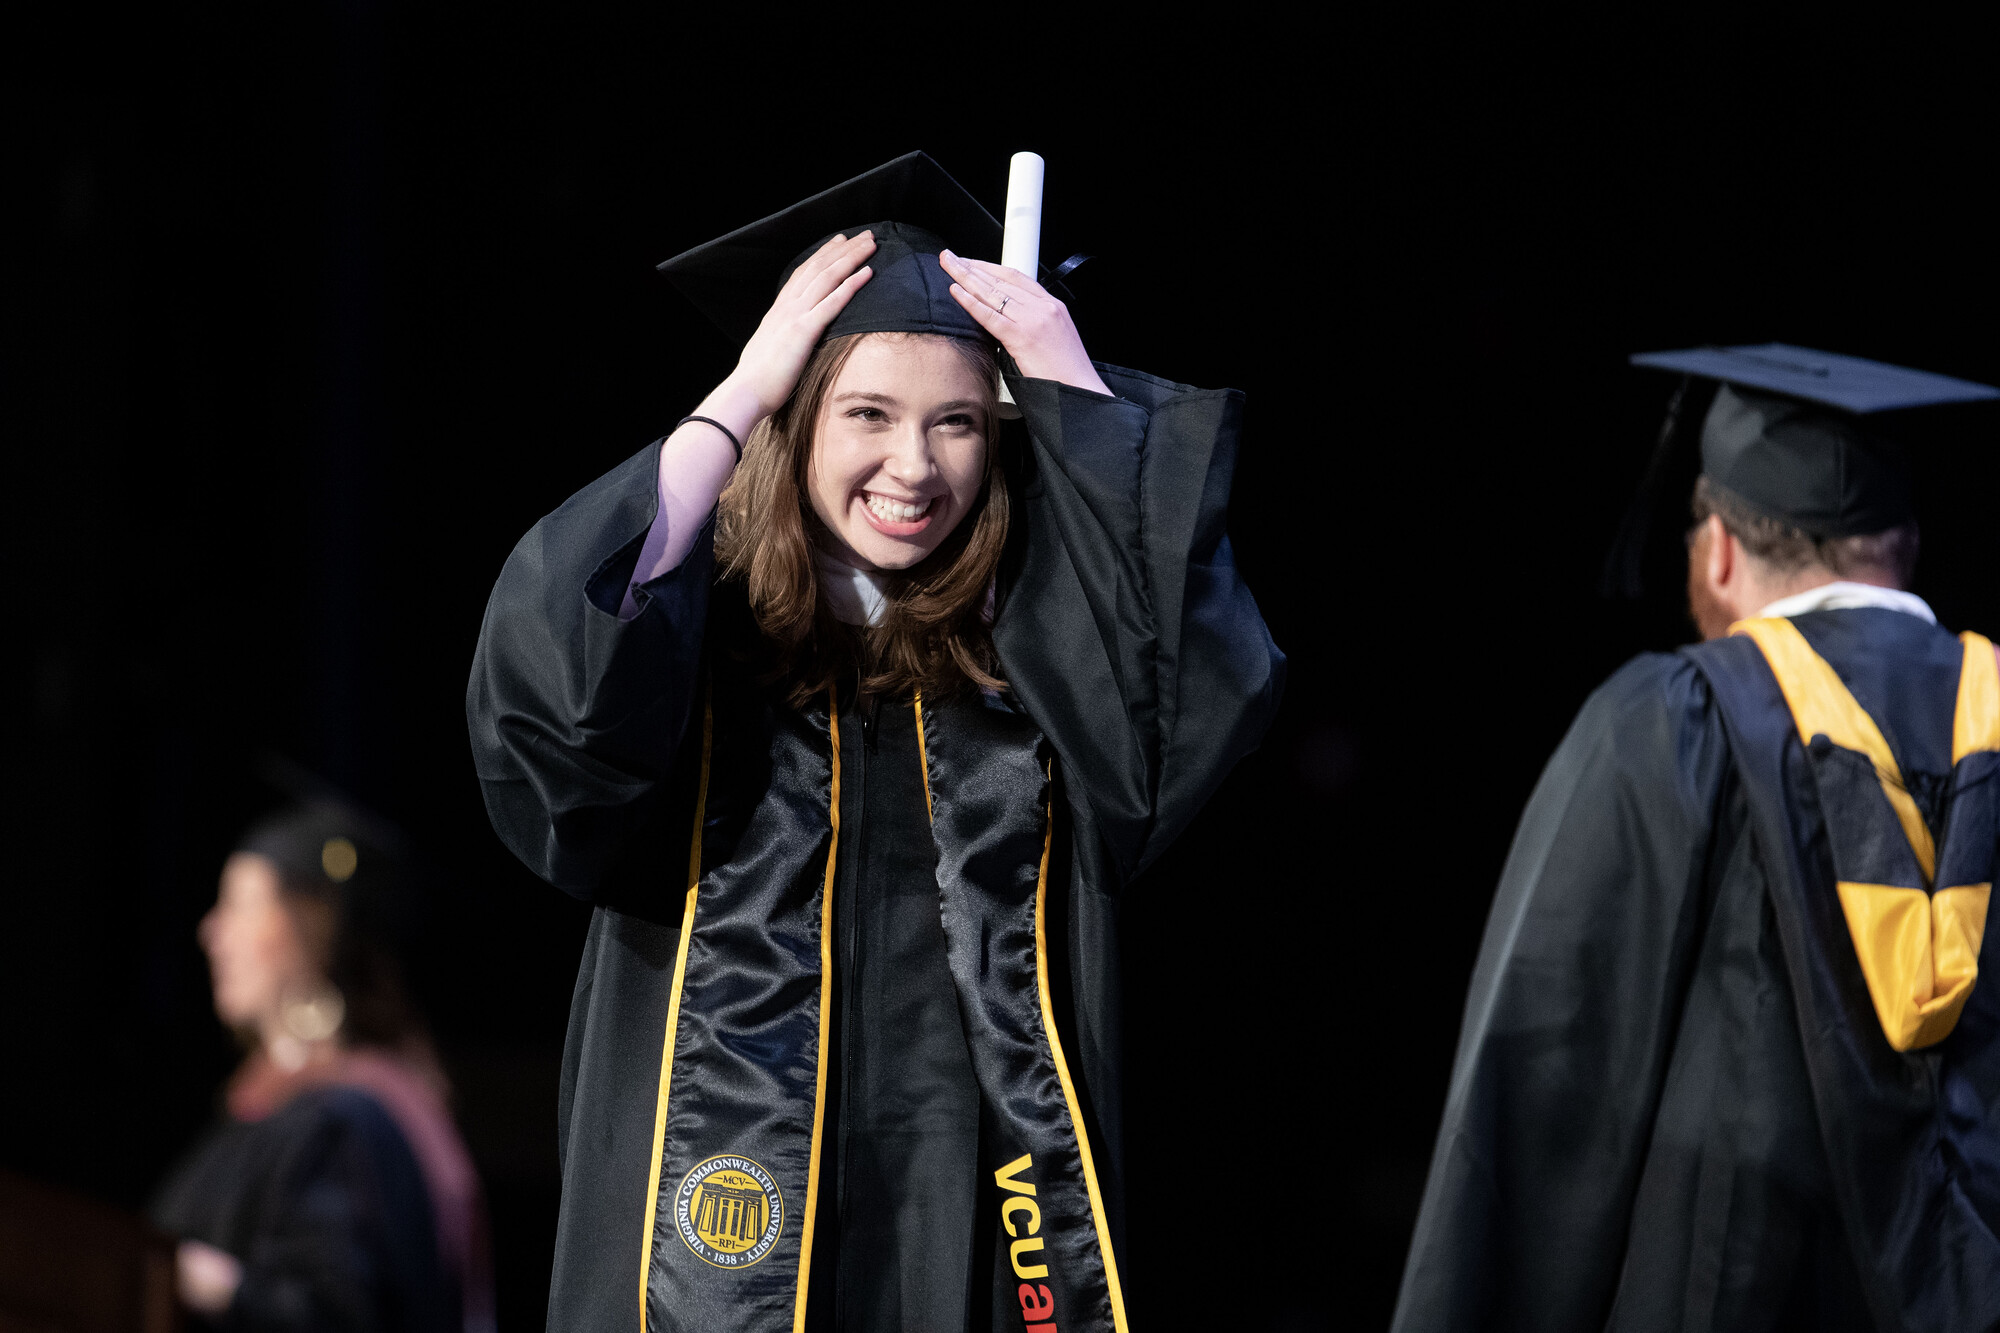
(1125,629)
(1571,1016)
(576,714)
(347,1243)
(325,1207)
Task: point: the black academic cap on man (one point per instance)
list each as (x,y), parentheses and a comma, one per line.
(1795,432)
(917,210)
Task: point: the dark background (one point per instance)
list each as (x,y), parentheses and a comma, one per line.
(305,316)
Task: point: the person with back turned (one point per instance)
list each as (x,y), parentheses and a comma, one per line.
(1727,1059)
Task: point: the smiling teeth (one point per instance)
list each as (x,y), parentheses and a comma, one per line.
(895,511)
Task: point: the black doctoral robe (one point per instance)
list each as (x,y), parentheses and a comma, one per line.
(894,914)
(324,1204)
(1673,1107)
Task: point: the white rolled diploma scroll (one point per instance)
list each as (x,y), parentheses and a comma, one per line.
(1021,239)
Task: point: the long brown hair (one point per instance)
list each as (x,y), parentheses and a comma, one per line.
(933,635)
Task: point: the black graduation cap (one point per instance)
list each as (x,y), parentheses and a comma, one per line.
(1789,431)
(734,278)
(1844,382)
(327,845)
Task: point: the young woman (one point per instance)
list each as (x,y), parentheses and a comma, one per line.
(854,744)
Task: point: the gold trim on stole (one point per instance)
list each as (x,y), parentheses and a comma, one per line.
(825,1016)
(674,1004)
(1117,1292)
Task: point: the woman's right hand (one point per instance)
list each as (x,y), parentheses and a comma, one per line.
(812,297)
(696,461)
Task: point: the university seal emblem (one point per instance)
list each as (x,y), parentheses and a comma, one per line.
(729,1212)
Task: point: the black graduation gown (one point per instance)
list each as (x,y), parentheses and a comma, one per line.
(325,1205)
(1672,1106)
(909,1080)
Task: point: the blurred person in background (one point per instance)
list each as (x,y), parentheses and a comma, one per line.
(335,1192)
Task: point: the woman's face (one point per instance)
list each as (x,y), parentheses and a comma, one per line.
(255,955)
(900,451)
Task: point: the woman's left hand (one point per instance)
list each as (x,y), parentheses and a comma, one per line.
(1033,326)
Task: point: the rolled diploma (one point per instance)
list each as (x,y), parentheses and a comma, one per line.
(1021,239)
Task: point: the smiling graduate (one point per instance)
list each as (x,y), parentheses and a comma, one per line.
(853,714)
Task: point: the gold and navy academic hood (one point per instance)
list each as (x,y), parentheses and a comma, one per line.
(1879,872)
(1915,905)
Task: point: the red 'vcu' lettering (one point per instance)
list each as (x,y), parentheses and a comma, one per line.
(1036,1303)
(1038,1306)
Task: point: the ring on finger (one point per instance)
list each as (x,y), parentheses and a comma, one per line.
(1002,307)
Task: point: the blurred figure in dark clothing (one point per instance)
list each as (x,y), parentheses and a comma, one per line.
(335,1193)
